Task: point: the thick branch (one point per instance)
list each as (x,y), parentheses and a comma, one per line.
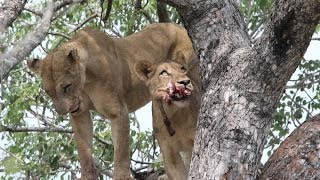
(288,33)
(10,10)
(12,57)
(298,156)
(162,12)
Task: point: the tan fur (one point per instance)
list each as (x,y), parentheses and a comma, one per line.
(181,114)
(96,72)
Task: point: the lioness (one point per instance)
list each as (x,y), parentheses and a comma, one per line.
(177,99)
(93,71)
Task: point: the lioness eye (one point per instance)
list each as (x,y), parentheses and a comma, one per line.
(183,69)
(164,73)
(67,88)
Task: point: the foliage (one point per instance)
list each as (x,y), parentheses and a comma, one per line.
(51,155)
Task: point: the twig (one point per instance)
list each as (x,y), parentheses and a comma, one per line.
(146,15)
(85,21)
(59,34)
(34,129)
(141,162)
(56,8)
(139,8)
(140,168)
(68,2)
(36,12)
(116,32)
(101,140)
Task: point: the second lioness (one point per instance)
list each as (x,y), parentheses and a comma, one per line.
(174,98)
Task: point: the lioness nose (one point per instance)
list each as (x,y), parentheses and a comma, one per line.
(184,82)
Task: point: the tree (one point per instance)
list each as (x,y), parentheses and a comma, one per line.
(247,52)
(243,80)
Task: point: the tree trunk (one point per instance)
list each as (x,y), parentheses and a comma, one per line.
(242,81)
(298,156)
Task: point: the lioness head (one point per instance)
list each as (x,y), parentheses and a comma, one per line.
(167,81)
(63,78)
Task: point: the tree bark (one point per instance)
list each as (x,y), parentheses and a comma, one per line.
(298,156)
(10,10)
(12,57)
(242,82)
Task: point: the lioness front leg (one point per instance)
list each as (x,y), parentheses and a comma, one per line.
(120,136)
(83,134)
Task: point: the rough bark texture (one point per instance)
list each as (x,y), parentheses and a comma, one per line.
(242,81)
(10,10)
(298,156)
(12,57)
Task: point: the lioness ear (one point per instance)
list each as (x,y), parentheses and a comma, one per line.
(73,55)
(143,70)
(34,65)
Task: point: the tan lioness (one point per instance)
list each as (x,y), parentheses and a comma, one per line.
(175,98)
(93,71)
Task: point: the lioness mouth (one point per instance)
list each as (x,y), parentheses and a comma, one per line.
(74,111)
(178,94)
(179,97)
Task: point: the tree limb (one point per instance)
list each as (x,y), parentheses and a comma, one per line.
(283,32)
(108,11)
(10,10)
(297,157)
(316,39)
(12,57)
(59,34)
(139,8)
(85,21)
(162,12)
